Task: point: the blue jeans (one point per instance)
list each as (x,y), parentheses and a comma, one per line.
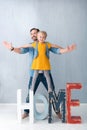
(40,78)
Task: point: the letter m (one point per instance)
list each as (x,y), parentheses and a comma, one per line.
(56,101)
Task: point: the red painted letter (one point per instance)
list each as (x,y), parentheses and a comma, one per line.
(69,103)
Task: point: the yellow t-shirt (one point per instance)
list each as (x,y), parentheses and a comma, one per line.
(41,62)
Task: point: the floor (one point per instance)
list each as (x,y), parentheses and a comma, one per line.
(8,120)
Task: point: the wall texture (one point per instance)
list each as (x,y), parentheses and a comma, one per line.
(65,22)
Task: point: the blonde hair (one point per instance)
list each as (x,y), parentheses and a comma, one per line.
(43,32)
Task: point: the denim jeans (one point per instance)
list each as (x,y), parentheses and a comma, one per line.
(40,78)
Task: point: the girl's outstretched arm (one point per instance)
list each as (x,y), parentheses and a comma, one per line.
(26,46)
(56,46)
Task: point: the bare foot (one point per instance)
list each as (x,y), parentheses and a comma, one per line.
(59,115)
(25,115)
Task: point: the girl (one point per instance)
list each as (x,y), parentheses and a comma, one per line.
(41,57)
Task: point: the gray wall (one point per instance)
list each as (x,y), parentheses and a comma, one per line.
(65,22)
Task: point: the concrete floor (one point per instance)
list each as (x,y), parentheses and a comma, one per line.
(8,120)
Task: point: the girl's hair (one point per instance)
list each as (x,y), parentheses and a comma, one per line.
(43,32)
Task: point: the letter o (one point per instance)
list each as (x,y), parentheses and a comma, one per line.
(44,114)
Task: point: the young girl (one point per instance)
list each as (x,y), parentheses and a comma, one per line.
(41,59)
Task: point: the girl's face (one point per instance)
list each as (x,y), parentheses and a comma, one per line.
(41,37)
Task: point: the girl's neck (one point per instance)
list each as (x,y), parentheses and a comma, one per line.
(42,42)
